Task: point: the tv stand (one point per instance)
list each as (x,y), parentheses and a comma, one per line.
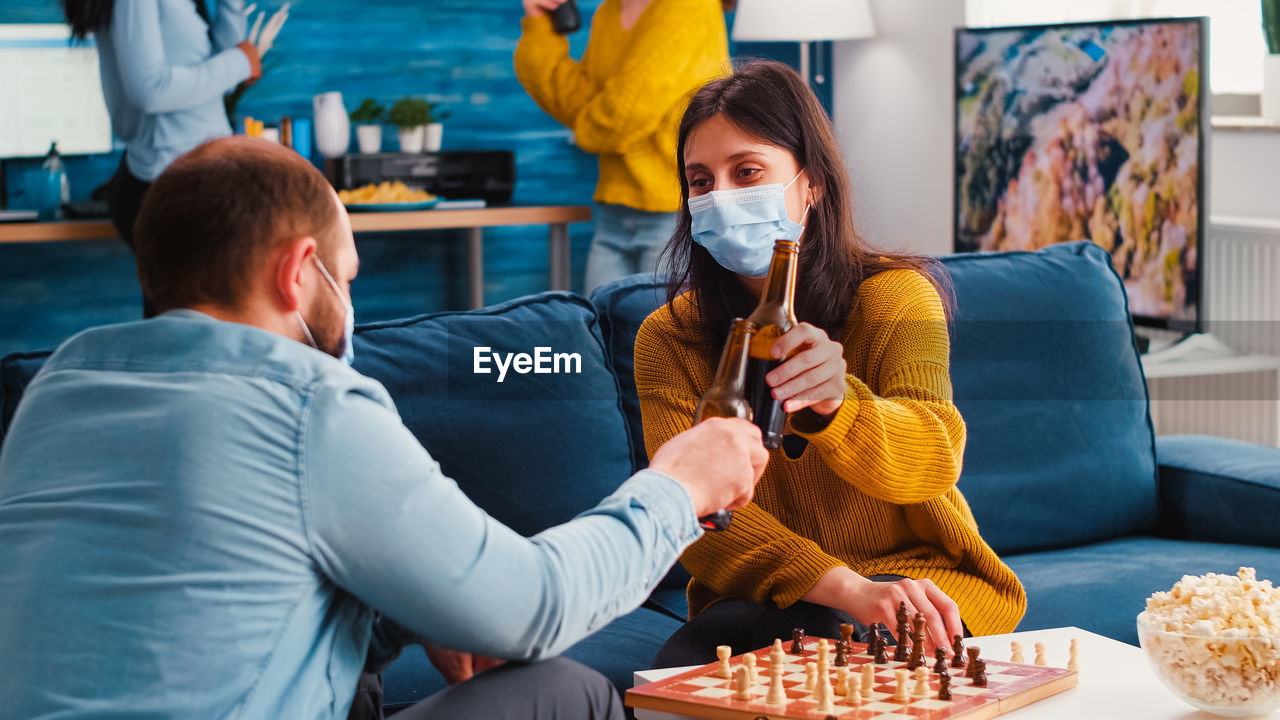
(1190,346)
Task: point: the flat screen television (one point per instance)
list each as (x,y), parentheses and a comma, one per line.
(1089,131)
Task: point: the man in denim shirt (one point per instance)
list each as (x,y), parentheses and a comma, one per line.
(202,515)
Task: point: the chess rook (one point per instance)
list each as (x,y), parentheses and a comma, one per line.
(722,661)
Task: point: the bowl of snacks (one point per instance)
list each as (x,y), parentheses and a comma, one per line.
(1214,640)
(385,197)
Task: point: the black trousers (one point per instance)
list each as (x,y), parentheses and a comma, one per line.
(555,688)
(124,199)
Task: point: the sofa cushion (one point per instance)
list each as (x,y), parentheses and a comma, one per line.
(623,306)
(1046,374)
(1103,586)
(1218,490)
(532,449)
(616,651)
(15,372)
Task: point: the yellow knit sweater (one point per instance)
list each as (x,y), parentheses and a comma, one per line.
(875,490)
(624,100)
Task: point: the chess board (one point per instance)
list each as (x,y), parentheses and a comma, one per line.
(699,693)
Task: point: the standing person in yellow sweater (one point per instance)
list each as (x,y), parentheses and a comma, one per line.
(858,510)
(623,101)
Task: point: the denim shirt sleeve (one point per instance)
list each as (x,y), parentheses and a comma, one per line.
(230,24)
(386,524)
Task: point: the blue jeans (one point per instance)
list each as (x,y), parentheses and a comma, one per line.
(626,241)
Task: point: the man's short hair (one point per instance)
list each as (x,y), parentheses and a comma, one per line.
(213,216)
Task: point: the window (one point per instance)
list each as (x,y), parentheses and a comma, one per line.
(1236,44)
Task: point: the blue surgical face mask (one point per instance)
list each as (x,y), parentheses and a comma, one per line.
(348,331)
(739,227)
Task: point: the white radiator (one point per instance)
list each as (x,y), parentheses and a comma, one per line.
(1230,397)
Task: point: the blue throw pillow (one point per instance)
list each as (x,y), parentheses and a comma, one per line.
(532,448)
(1060,448)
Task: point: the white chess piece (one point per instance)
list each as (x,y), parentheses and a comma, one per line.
(1015,652)
(900,687)
(742,683)
(852,697)
(776,695)
(749,660)
(842,681)
(823,650)
(922,682)
(1073,663)
(868,680)
(810,676)
(822,694)
(1040,658)
(722,661)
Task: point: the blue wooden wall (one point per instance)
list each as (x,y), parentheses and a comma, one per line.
(457,53)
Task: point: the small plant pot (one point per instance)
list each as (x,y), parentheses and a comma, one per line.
(435,134)
(369,138)
(1271,86)
(411,139)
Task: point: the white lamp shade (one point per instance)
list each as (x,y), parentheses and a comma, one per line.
(802,20)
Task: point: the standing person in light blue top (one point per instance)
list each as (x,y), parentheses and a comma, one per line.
(208,514)
(165,66)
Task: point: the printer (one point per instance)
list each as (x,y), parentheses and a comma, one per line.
(454,174)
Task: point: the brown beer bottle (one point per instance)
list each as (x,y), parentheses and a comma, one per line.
(774,316)
(726,397)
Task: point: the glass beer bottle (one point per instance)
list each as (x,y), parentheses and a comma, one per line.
(774,316)
(726,397)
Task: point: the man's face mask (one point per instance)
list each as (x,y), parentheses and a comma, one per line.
(739,227)
(348,354)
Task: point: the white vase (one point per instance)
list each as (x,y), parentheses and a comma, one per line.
(1271,86)
(411,139)
(369,138)
(332,127)
(435,134)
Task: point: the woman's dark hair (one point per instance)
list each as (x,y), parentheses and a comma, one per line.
(771,102)
(88,16)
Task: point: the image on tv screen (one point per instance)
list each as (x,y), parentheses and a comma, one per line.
(1086,132)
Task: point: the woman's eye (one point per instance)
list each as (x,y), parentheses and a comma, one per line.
(748,172)
(700,183)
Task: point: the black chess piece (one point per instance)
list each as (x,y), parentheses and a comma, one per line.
(917,642)
(941,665)
(980,674)
(841,659)
(944,684)
(882,654)
(904,634)
(797,641)
(957,652)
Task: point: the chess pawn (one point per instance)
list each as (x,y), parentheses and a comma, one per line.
(797,641)
(922,682)
(900,686)
(1040,657)
(957,651)
(749,661)
(1073,660)
(810,676)
(841,659)
(842,681)
(722,662)
(944,685)
(980,673)
(1015,652)
(940,660)
(853,696)
(742,683)
(868,680)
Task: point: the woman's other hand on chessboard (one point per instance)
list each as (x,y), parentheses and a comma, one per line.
(457,666)
(868,601)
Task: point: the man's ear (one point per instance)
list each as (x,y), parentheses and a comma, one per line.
(290,266)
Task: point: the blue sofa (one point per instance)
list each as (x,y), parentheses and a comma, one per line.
(1062,469)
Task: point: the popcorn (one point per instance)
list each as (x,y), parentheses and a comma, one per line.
(1215,639)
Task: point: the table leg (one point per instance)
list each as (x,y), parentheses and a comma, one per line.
(558,247)
(475,267)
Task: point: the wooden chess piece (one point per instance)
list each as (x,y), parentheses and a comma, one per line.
(940,655)
(973,656)
(944,685)
(922,682)
(980,674)
(1015,652)
(957,652)
(822,693)
(1073,660)
(900,687)
(852,695)
(777,695)
(868,680)
(882,654)
(842,680)
(824,652)
(846,634)
(904,632)
(742,683)
(810,676)
(797,641)
(722,662)
(841,659)
(917,642)
(1040,657)
(749,661)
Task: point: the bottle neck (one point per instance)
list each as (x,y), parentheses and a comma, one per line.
(732,372)
(778,301)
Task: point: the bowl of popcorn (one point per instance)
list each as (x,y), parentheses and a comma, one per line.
(1214,640)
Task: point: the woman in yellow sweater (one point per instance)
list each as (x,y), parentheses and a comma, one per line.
(858,510)
(623,101)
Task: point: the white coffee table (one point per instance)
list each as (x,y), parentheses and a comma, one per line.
(1115,680)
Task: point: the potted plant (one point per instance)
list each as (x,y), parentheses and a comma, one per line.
(435,130)
(1271,63)
(411,116)
(368,130)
